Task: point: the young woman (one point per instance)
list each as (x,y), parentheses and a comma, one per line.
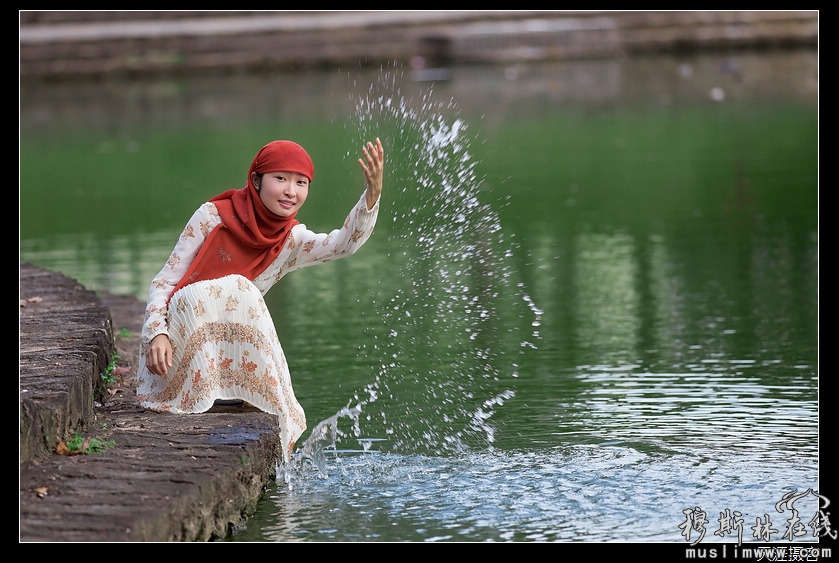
(207,333)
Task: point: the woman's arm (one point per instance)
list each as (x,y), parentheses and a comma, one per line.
(305,247)
(187,247)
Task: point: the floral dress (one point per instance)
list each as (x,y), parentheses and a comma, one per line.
(224,342)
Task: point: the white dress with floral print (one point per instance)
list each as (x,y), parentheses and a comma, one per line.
(224,342)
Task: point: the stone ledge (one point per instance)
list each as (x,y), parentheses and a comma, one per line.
(66,341)
(166,477)
(275,40)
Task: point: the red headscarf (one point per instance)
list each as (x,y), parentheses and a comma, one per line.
(250,237)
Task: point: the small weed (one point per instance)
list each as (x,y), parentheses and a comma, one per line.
(79,444)
(244,459)
(125,333)
(108,377)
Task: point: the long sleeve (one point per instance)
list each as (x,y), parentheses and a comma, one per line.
(189,243)
(306,248)
(303,248)
(224,343)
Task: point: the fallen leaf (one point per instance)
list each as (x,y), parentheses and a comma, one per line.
(41,491)
(114,391)
(121,370)
(62,449)
(34,299)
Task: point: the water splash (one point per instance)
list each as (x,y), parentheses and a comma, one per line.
(453,299)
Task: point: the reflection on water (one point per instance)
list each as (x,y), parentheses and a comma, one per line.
(672,410)
(589,306)
(120,264)
(638,449)
(579,493)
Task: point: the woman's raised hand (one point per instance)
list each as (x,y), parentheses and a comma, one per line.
(373,167)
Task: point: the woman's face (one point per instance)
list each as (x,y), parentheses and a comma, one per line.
(283,193)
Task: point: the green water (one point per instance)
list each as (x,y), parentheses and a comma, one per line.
(622,303)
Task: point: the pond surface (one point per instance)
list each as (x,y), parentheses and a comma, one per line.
(589,312)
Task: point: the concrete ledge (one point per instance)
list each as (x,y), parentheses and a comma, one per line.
(163,43)
(168,478)
(66,341)
(165,477)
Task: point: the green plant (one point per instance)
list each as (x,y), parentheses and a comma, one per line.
(80,444)
(107,377)
(125,333)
